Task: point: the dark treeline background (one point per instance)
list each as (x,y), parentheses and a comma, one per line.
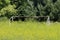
(50,8)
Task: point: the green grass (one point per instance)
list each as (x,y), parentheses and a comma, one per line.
(29,31)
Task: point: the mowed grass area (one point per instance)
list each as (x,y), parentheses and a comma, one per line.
(29,31)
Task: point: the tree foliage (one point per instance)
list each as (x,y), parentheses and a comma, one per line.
(31,8)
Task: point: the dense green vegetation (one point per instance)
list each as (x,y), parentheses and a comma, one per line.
(29,30)
(50,8)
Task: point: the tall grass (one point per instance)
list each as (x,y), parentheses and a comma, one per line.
(29,31)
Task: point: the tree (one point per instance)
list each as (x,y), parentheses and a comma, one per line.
(31,8)
(8,11)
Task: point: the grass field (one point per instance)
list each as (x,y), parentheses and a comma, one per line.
(29,31)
